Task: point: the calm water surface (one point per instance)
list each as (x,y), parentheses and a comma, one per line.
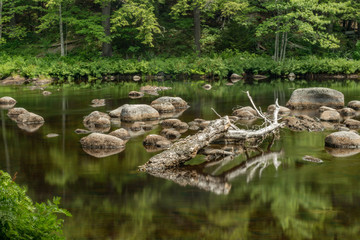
(281,198)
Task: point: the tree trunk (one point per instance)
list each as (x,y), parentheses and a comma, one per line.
(1,8)
(106,47)
(62,45)
(282,46)
(285,46)
(197,30)
(276,50)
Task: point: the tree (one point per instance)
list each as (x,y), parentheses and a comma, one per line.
(307,20)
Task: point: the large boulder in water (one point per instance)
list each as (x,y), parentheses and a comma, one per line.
(311,98)
(29,118)
(176,101)
(117,112)
(102,141)
(15,112)
(97,119)
(343,139)
(138,112)
(7,101)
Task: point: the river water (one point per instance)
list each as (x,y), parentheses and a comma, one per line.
(279,197)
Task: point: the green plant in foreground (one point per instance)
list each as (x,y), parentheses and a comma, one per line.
(20,218)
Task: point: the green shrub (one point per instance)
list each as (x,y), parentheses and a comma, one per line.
(20,218)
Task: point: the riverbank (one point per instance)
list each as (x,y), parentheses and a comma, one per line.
(79,69)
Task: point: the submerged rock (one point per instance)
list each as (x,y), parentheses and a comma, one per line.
(304,98)
(312,159)
(98,102)
(102,141)
(138,112)
(330,116)
(343,139)
(302,123)
(355,104)
(178,102)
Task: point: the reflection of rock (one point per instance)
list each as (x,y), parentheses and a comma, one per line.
(29,118)
(315,98)
(7,101)
(135,94)
(342,152)
(101,153)
(137,126)
(302,123)
(355,104)
(7,106)
(343,139)
(102,141)
(330,116)
(31,127)
(138,112)
(178,102)
(207,87)
(120,133)
(175,114)
(235,76)
(82,131)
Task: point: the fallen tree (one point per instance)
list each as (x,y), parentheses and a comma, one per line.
(187,148)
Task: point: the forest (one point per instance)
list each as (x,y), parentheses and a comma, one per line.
(86,39)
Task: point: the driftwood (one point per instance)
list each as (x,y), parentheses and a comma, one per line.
(169,163)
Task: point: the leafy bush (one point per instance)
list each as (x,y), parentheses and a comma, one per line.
(20,218)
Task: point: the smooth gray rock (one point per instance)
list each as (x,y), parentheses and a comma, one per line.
(343,139)
(176,101)
(138,112)
(101,141)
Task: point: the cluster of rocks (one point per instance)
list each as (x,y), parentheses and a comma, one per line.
(135,120)
(26,120)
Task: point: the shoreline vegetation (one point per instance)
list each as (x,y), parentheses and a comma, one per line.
(218,66)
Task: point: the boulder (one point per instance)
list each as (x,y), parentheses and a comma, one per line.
(343,139)
(29,118)
(292,76)
(15,112)
(155,140)
(302,123)
(325,108)
(245,113)
(98,102)
(347,112)
(7,101)
(121,133)
(194,126)
(330,116)
(164,107)
(46,93)
(117,112)
(174,123)
(178,102)
(138,112)
(102,141)
(135,94)
(352,123)
(355,104)
(97,119)
(136,78)
(310,98)
(170,133)
(283,110)
(13,80)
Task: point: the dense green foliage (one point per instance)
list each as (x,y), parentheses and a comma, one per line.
(147,37)
(20,218)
